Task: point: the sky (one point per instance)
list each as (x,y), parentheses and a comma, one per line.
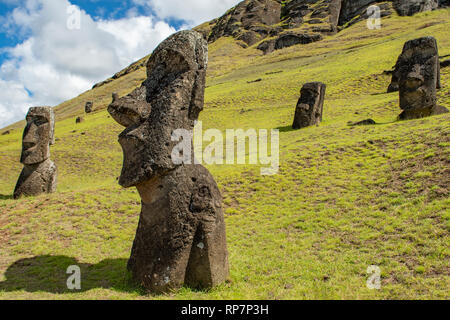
(53,50)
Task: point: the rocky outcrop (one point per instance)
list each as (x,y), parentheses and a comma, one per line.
(249,21)
(39,172)
(180,238)
(418,70)
(271,23)
(287,40)
(355,11)
(310,105)
(411,7)
(297,12)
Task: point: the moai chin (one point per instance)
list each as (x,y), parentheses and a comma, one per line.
(418,72)
(180,238)
(310,105)
(39,174)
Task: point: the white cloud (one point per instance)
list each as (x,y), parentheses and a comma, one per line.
(134,35)
(56,63)
(194,12)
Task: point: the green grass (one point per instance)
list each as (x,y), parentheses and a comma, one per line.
(345,197)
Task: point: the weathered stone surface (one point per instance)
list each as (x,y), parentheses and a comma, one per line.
(411,7)
(248,15)
(291,39)
(39,173)
(355,11)
(297,12)
(88,107)
(36,179)
(181,233)
(38,135)
(131,109)
(396,73)
(287,40)
(310,105)
(418,74)
(267,46)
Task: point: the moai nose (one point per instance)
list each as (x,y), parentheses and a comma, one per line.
(414,78)
(29,137)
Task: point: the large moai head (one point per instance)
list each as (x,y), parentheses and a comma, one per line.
(310,105)
(38,135)
(418,76)
(174,91)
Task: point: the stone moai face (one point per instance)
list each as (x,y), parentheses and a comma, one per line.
(310,105)
(180,237)
(38,135)
(174,92)
(88,107)
(418,74)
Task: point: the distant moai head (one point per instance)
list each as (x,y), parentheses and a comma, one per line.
(418,72)
(174,92)
(310,105)
(38,135)
(88,107)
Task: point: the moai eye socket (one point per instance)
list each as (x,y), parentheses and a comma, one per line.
(39,121)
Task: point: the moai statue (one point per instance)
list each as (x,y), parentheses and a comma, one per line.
(88,107)
(394,85)
(310,105)
(180,238)
(418,74)
(39,173)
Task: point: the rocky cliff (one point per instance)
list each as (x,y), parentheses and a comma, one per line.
(275,24)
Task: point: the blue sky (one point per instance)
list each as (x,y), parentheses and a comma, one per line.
(44,60)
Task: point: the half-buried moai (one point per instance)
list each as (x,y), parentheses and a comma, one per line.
(419,74)
(396,74)
(310,105)
(39,173)
(180,238)
(88,107)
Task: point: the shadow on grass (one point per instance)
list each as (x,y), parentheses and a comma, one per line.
(286,129)
(48,274)
(6,196)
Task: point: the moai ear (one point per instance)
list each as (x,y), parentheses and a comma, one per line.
(52,127)
(198,94)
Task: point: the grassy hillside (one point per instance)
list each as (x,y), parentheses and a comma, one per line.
(345,197)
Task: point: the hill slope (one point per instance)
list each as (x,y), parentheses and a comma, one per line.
(345,197)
